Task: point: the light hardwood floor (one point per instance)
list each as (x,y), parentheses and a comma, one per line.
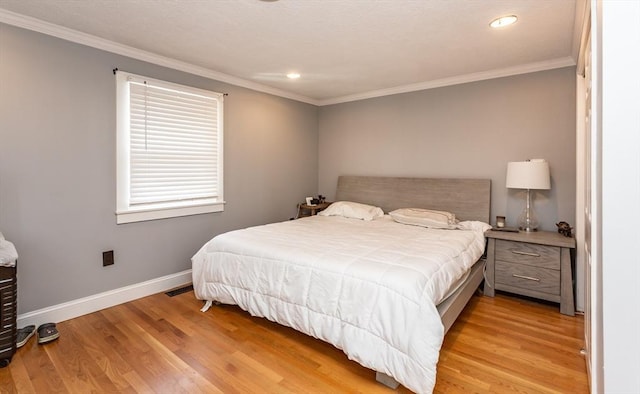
(165,344)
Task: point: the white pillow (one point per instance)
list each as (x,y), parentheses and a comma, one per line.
(352,210)
(425,218)
(474,225)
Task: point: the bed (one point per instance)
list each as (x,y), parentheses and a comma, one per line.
(383,291)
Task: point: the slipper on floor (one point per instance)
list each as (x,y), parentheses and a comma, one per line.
(47,333)
(24,334)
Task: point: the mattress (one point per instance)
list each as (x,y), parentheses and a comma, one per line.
(369,288)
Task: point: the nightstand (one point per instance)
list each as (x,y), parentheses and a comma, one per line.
(310,210)
(536,264)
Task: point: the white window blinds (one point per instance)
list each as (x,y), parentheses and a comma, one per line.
(171,146)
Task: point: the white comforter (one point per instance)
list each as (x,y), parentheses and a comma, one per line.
(368,288)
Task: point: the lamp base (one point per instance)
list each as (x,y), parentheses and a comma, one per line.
(527,220)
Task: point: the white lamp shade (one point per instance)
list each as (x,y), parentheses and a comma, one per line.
(532,174)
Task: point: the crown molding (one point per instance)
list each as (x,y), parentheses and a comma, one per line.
(40,26)
(460,79)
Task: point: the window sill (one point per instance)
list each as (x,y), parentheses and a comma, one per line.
(145,214)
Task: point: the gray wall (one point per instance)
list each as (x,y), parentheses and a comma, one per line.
(469,130)
(57,170)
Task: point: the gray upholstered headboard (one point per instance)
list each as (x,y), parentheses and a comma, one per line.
(469,199)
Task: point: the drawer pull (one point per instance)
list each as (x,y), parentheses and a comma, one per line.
(525,253)
(526,277)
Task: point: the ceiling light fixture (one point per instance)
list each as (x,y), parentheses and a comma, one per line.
(293,75)
(503,21)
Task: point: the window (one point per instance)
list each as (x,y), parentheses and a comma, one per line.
(169,149)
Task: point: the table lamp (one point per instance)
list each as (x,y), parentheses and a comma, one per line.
(531,175)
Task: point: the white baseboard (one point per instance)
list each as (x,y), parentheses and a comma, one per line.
(96,302)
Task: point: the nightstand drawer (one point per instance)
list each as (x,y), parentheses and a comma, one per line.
(527,277)
(525,253)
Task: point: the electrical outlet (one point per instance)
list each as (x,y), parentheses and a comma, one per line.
(107,258)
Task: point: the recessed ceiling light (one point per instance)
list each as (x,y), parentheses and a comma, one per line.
(503,21)
(293,75)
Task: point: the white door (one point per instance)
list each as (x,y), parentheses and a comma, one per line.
(591,331)
(588,202)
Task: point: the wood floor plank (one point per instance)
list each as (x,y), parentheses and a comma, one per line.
(44,376)
(161,344)
(137,383)
(76,368)
(98,344)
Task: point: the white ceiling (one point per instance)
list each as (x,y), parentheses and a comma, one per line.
(344,49)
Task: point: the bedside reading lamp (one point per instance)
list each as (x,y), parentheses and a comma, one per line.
(530,174)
